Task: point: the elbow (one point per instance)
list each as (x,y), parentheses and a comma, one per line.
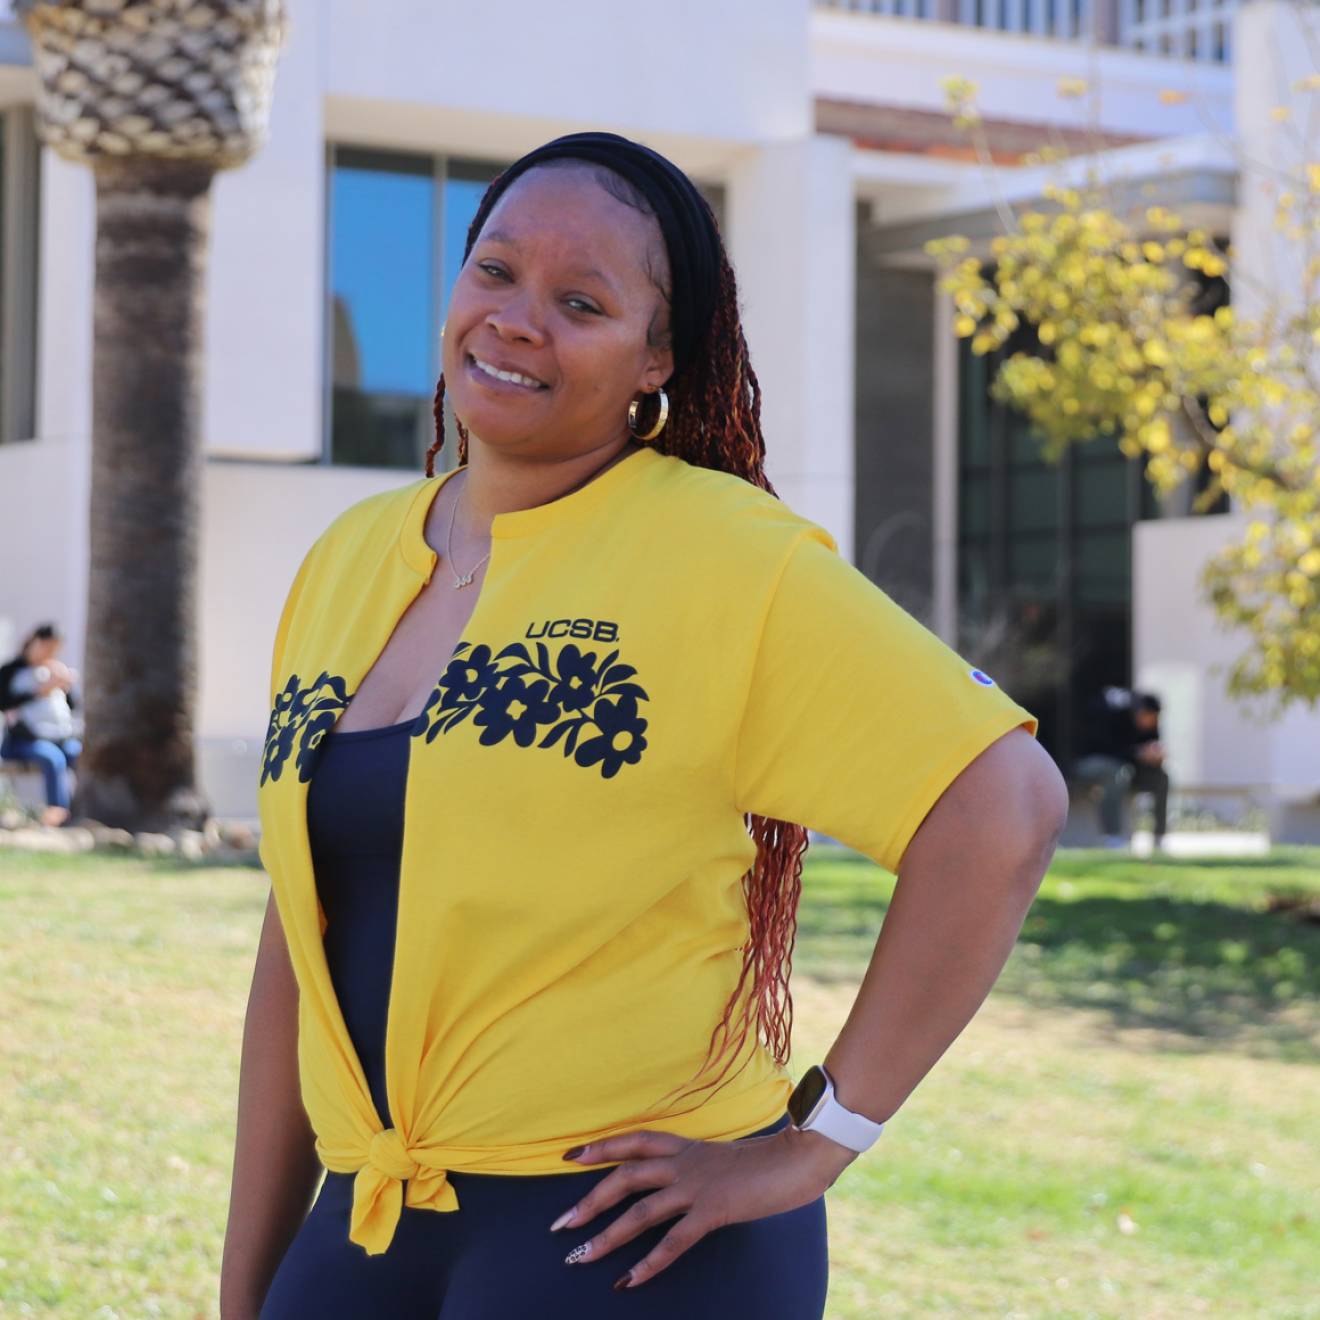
(1008,809)
(1024,799)
(1040,803)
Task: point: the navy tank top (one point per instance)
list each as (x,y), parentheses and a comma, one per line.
(355,827)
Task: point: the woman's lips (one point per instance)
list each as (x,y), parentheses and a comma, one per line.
(499,385)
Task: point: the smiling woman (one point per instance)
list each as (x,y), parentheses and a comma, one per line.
(536,848)
(572,325)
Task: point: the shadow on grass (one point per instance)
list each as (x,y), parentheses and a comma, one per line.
(1186,948)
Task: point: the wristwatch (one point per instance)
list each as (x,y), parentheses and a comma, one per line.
(813,1108)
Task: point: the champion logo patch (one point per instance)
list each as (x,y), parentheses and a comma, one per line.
(981,677)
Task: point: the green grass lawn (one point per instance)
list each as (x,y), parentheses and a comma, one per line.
(1127,1128)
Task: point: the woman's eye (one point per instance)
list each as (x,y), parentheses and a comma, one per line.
(577,304)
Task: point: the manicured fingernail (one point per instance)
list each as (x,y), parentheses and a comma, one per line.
(580,1252)
(623,1281)
(574,1153)
(564,1220)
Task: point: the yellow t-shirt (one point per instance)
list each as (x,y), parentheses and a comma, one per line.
(650,657)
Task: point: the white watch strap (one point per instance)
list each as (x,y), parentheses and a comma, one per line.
(831,1119)
(855,1131)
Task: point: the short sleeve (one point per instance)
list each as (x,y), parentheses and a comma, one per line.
(858,717)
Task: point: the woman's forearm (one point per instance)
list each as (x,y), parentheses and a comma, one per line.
(965,885)
(275,1164)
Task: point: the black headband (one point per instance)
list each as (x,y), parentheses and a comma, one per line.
(691,238)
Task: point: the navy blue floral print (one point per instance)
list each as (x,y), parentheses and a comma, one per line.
(587,708)
(576,687)
(516,707)
(303,714)
(620,739)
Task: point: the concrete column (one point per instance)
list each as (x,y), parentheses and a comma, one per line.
(67,247)
(792,234)
(944,513)
(1273,42)
(265,300)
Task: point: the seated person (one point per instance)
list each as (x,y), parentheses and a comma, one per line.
(1126,755)
(36,695)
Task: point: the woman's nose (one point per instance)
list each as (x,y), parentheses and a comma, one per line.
(517,319)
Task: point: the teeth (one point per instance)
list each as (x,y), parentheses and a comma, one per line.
(516,377)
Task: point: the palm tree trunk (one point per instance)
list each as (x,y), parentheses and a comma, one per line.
(138,770)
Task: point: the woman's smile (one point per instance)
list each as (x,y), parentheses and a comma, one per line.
(500,380)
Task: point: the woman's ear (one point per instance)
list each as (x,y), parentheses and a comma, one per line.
(659,368)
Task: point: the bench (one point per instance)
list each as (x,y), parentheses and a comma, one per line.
(1228,806)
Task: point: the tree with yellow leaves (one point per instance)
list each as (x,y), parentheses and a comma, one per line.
(1124,351)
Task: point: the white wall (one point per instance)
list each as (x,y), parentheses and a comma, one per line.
(258,521)
(43,542)
(266,282)
(64,300)
(735,70)
(793,246)
(1182,652)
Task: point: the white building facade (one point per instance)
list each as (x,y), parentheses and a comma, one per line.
(821,135)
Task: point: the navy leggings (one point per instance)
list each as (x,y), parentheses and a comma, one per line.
(494,1258)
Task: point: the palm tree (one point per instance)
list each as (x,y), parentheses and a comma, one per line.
(155,96)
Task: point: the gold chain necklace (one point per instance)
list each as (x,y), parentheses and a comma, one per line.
(465,579)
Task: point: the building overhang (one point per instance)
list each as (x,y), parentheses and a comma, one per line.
(914,198)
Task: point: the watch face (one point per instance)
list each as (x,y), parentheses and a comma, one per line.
(807,1095)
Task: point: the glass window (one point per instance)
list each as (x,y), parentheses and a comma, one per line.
(1101,492)
(1044,557)
(382,277)
(1033,565)
(1104,567)
(974,504)
(1033,498)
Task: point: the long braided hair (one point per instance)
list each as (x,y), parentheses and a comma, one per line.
(714,422)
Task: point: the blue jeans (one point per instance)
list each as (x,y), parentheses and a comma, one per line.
(55,760)
(494,1258)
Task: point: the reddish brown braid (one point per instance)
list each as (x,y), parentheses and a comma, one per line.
(715,422)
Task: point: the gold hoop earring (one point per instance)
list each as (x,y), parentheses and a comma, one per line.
(659,426)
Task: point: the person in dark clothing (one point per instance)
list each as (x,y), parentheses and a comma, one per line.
(37,701)
(1126,756)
